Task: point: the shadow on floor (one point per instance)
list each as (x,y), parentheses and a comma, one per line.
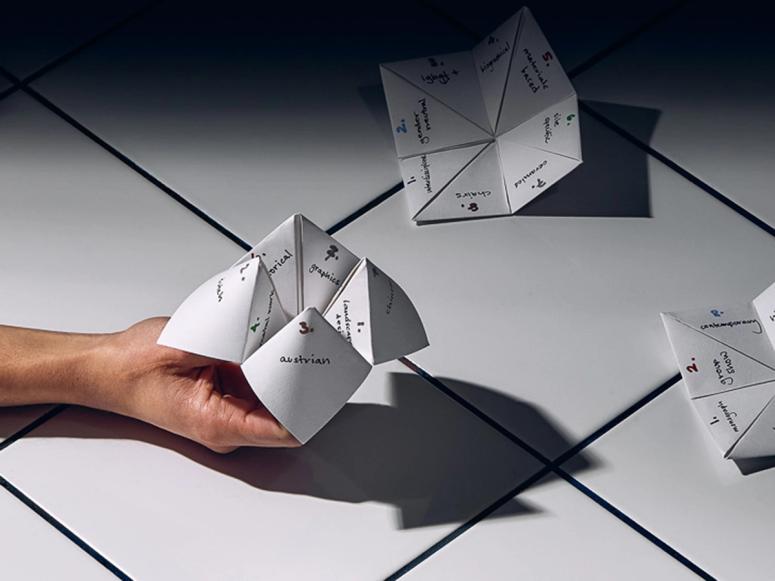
(415,454)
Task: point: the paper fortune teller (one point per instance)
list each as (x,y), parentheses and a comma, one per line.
(483,132)
(727,360)
(304,317)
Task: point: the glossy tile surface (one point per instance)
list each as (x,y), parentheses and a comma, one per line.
(663,469)
(557,314)
(563,535)
(395,471)
(708,70)
(38,32)
(576,31)
(252,112)
(34,550)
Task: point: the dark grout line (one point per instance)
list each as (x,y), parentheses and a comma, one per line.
(616,420)
(32,426)
(552,466)
(436,547)
(627,38)
(90,42)
(365,208)
(19,84)
(633,524)
(677,168)
(42,513)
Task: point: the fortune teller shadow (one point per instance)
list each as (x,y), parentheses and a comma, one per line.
(420,454)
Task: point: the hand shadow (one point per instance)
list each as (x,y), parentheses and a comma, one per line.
(415,454)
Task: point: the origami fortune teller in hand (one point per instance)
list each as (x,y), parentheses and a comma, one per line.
(304,317)
(483,132)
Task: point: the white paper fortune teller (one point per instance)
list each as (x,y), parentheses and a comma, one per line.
(265,312)
(727,359)
(483,132)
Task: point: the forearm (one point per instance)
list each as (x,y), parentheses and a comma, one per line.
(47,367)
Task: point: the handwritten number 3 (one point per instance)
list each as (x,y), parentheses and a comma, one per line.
(305,328)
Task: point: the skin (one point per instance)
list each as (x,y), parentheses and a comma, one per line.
(206,400)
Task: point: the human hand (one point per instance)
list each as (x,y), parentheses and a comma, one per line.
(206,400)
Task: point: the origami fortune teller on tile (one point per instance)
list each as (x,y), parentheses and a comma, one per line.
(304,317)
(483,132)
(727,360)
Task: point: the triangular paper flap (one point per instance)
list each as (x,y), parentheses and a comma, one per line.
(396,326)
(426,175)
(728,415)
(492,58)
(212,321)
(529,172)
(735,325)
(709,366)
(278,252)
(422,124)
(764,305)
(477,191)
(450,78)
(759,440)
(326,264)
(555,129)
(305,374)
(536,79)
(374,314)
(266,315)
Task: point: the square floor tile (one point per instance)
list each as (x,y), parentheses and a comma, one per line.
(663,469)
(575,30)
(253,112)
(400,467)
(708,70)
(38,32)
(563,535)
(33,549)
(95,247)
(558,314)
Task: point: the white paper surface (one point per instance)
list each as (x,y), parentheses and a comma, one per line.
(510,89)
(303,370)
(376,317)
(426,175)
(765,309)
(305,374)
(216,319)
(492,59)
(728,366)
(450,78)
(477,191)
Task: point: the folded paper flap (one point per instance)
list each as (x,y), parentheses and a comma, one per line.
(212,320)
(279,253)
(266,315)
(492,59)
(710,366)
(759,439)
(451,78)
(764,304)
(305,374)
(477,191)
(535,80)
(374,315)
(554,130)
(729,415)
(421,123)
(326,264)
(426,175)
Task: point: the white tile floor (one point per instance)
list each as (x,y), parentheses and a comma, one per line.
(544,326)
